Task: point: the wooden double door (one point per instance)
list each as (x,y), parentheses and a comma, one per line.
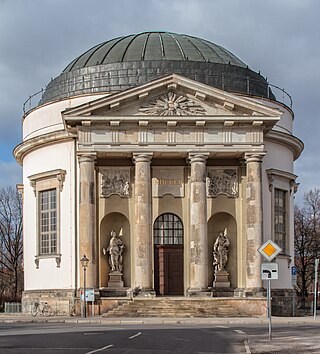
(168,269)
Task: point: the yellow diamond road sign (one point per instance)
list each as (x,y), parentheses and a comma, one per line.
(269,250)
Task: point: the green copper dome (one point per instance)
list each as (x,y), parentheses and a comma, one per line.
(154,46)
(133,60)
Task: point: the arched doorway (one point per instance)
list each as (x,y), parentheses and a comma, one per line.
(168,255)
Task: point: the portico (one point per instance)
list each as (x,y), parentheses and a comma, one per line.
(186,168)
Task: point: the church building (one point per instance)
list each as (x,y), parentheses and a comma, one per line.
(165,161)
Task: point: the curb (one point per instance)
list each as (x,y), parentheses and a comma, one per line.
(156,320)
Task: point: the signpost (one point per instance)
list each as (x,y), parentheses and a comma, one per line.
(89,297)
(293,283)
(316,265)
(269,250)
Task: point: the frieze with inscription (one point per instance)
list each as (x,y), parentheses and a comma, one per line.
(223,181)
(167,180)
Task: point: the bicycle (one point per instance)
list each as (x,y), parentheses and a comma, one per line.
(46,309)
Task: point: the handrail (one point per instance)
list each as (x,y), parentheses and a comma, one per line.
(29,101)
(284,92)
(34,99)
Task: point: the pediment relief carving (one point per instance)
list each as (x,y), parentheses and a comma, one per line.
(170,96)
(172,104)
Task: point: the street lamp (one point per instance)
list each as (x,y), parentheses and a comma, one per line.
(84,263)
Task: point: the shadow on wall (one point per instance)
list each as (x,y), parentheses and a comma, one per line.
(217,223)
(120,224)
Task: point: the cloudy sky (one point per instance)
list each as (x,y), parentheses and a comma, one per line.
(38,38)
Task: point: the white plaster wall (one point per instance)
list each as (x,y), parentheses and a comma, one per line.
(281,158)
(285,124)
(48,276)
(47,118)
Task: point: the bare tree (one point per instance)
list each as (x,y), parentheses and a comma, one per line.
(307,240)
(11,249)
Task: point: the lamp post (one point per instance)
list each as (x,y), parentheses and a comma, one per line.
(84,263)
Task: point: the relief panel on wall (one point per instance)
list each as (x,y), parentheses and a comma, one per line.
(222,180)
(115,181)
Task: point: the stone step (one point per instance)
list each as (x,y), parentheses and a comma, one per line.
(173,308)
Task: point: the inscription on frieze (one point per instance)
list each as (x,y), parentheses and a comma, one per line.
(167,181)
(223,181)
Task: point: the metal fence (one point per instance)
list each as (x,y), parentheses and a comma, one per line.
(12,307)
(85,85)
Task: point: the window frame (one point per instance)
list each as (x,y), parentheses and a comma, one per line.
(280,211)
(170,219)
(285,182)
(44,182)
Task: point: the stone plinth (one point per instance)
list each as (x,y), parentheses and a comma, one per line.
(115,280)
(221,279)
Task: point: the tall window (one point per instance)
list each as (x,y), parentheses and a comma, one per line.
(168,230)
(48,221)
(47,187)
(280,218)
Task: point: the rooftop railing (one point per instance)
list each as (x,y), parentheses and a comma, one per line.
(81,85)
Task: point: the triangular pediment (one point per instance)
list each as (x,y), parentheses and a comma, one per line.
(173,96)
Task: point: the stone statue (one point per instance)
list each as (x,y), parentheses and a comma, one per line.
(220,251)
(115,250)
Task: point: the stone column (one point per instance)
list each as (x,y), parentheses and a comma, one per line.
(254,220)
(198,226)
(87,219)
(143,224)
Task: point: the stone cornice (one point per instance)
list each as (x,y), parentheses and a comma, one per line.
(21,150)
(290,141)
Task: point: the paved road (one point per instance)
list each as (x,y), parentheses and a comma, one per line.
(68,338)
(159,336)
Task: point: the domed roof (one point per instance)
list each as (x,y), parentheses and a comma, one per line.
(136,59)
(154,46)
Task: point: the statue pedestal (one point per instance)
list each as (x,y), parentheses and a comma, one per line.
(221,279)
(115,280)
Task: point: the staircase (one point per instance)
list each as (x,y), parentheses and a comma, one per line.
(178,307)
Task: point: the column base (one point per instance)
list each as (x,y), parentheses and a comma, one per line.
(198,292)
(143,292)
(250,292)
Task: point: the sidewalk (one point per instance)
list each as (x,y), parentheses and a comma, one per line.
(27,318)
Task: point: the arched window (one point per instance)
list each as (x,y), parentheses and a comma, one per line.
(168,230)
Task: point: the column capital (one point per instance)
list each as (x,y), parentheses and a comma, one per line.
(254,156)
(87,156)
(142,157)
(198,157)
